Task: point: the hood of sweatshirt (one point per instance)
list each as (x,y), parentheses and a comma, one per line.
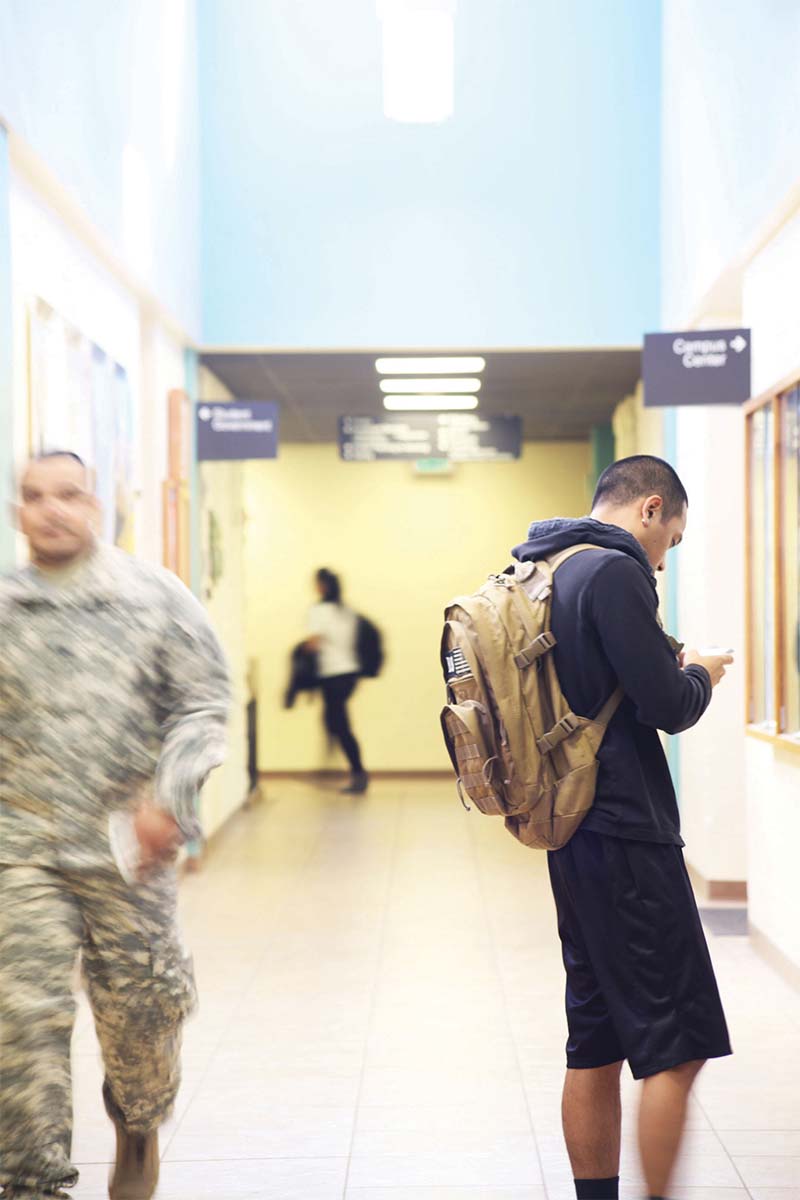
(550,537)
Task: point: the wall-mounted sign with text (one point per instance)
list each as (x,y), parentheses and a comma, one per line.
(457,437)
(237,431)
(708,366)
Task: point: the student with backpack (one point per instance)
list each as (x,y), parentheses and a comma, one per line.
(347,646)
(559,677)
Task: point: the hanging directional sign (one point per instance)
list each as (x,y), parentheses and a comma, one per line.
(698,367)
(237,431)
(457,437)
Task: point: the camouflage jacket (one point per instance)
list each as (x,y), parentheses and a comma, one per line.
(111,685)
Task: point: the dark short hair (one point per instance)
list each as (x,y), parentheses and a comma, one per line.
(45,454)
(641,475)
(330,584)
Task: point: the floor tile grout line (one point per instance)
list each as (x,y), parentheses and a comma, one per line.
(380,949)
(715,1131)
(504,993)
(313,851)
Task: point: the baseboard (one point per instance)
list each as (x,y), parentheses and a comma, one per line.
(780,962)
(717,889)
(311,776)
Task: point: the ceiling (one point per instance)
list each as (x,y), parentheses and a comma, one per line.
(560,394)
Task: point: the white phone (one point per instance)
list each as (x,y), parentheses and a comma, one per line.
(714,651)
(125,848)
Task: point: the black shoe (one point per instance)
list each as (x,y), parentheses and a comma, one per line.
(359,782)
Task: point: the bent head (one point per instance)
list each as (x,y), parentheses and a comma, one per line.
(57,509)
(328,586)
(644,496)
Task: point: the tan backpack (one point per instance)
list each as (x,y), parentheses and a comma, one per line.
(517,749)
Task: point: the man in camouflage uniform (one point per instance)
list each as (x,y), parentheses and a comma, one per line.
(113,696)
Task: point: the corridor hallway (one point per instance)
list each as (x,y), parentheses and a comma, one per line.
(381,1019)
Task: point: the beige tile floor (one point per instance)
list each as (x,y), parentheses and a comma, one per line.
(381,1019)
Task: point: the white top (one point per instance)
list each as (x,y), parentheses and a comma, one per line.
(336,626)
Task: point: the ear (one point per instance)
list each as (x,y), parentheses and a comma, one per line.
(653,506)
(15,515)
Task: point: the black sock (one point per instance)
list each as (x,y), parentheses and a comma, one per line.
(597,1189)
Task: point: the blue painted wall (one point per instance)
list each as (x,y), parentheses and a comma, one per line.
(531,218)
(80,81)
(731,134)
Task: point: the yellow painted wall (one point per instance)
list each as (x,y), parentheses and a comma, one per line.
(637,430)
(404,547)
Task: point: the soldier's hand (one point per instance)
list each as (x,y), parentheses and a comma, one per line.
(158,834)
(715,664)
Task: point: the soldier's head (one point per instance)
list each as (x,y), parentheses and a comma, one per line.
(645,496)
(57,509)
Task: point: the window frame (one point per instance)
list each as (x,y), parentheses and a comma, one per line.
(775,398)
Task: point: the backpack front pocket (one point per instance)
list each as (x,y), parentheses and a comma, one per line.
(479,771)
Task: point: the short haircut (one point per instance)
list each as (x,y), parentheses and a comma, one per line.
(330,584)
(45,454)
(641,475)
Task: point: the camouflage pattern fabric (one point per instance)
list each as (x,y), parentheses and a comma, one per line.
(111,686)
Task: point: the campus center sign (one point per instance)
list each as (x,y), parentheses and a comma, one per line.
(708,366)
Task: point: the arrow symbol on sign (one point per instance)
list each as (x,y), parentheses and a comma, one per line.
(738,343)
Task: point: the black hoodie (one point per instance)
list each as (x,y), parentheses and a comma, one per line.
(605,621)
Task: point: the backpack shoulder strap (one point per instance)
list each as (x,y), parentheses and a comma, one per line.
(618,695)
(610,707)
(558,559)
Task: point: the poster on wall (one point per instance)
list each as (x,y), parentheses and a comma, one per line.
(79,399)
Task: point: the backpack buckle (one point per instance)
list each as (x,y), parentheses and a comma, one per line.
(559,733)
(544,642)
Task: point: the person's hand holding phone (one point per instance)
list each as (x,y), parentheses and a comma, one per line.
(714,659)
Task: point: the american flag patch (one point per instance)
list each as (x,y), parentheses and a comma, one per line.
(456,665)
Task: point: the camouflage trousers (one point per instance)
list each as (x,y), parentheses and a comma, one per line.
(140,985)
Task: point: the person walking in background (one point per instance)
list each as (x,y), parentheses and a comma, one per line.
(113,704)
(334,630)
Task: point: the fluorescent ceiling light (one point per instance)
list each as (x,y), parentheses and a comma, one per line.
(429,366)
(428,403)
(430,385)
(418,60)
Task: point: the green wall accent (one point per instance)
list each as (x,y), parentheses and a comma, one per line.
(603,450)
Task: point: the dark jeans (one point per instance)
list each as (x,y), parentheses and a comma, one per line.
(336,691)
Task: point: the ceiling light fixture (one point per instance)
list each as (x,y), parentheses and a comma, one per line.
(439,385)
(418,59)
(430,366)
(429,403)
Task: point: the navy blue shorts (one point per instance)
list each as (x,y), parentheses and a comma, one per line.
(640,984)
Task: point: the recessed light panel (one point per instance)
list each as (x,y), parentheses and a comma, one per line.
(469,365)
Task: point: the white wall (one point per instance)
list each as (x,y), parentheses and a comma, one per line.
(710,456)
(730,136)
(48,262)
(105,95)
(771,307)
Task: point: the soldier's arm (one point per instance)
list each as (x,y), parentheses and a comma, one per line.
(195,700)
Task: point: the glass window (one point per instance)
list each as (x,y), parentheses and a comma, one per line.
(790,519)
(762,576)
